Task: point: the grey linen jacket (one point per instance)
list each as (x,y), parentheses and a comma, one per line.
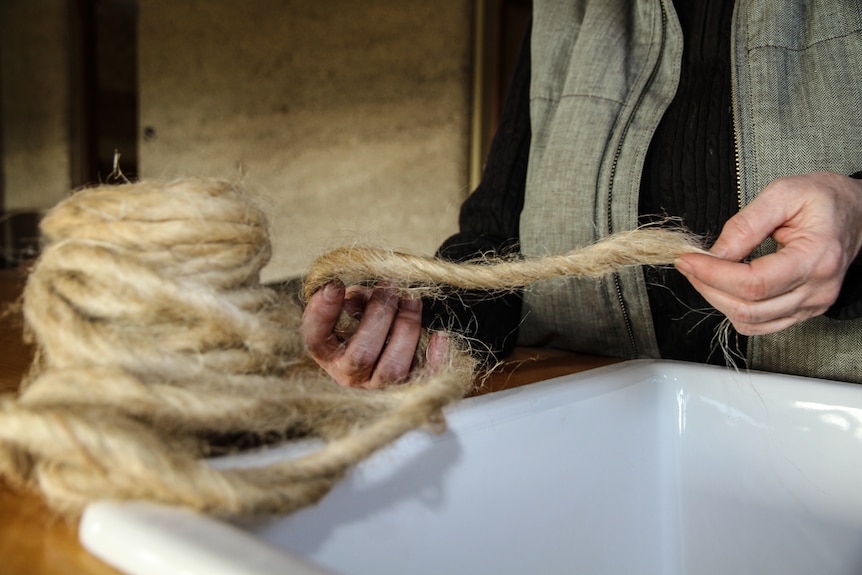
(603,73)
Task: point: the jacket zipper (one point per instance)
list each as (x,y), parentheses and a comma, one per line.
(618,287)
(736,161)
(734,104)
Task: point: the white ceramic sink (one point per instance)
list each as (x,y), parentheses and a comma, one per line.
(642,467)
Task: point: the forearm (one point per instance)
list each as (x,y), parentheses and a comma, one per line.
(488,321)
(489,225)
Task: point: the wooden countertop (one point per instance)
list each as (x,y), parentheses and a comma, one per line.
(33,541)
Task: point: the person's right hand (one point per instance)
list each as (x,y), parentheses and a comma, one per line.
(816,220)
(381,350)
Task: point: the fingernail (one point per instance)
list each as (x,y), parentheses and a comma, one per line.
(331,292)
(719,250)
(411,304)
(682,266)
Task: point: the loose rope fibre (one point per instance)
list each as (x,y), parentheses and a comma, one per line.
(158,347)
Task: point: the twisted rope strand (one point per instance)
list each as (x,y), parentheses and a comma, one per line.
(424,276)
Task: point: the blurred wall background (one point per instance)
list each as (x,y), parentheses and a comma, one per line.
(348,120)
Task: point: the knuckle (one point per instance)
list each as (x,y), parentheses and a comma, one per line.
(313,347)
(741,318)
(345,380)
(739,225)
(358,360)
(753,290)
(358,291)
(820,301)
(345,377)
(830,262)
(390,374)
(743,314)
(745,329)
(742,225)
(305,328)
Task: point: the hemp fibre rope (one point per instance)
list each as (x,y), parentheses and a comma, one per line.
(157,347)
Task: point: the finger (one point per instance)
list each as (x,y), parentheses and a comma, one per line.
(397,356)
(764,278)
(355,299)
(765,328)
(749,227)
(757,318)
(362,351)
(437,354)
(318,321)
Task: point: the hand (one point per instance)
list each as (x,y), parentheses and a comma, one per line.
(381,350)
(816,220)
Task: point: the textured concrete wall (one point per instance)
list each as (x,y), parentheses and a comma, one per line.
(34,103)
(350,118)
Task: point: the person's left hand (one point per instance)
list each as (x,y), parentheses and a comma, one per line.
(816,220)
(381,350)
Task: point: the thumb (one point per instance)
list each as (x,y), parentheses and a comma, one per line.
(746,230)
